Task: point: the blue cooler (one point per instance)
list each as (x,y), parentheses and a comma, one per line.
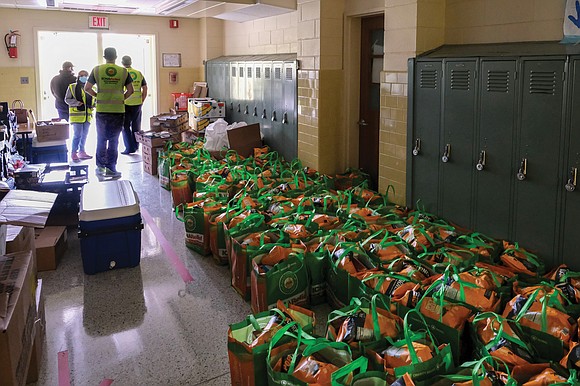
(49,152)
(109,226)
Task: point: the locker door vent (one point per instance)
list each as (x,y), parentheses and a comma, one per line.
(498,81)
(241,72)
(249,72)
(428,79)
(542,82)
(289,75)
(227,71)
(278,73)
(234,72)
(267,72)
(460,79)
(258,72)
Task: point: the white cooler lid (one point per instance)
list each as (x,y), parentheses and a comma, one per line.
(107,200)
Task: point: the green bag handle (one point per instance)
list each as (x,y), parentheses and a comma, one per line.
(382,276)
(530,256)
(279,335)
(375,314)
(177,210)
(446,252)
(322,343)
(499,335)
(528,304)
(254,220)
(408,336)
(335,314)
(361,364)
(354,247)
(421,229)
(478,373)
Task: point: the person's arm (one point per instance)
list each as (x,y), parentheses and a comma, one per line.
(90,84)
(70,99)
(129,87)
(143,93)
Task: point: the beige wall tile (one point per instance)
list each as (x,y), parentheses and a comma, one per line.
(306,29)
(401,17)
(431,14)
(277,36)
(309,47)
(309,10)
(331,46)
(507,12)
(548,10)
(331,28)
(270,23)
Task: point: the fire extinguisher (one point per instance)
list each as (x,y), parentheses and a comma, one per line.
(10,39)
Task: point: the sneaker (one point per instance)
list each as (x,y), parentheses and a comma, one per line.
(75,156)
(125,152)
(100,171)
(112,173)
(83,155)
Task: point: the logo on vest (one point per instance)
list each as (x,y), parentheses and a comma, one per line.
(133,75)
(111,71)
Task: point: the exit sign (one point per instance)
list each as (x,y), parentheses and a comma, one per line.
(100,22)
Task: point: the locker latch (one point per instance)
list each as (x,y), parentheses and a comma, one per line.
(523,170)
(239,108)
(417,147)
(255,114)
(285,118)
(264,116)
(274,116)
(247,110)
(571,185)
(481,162)
(446,153)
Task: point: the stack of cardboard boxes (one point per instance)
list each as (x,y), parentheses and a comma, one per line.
(203,111)
(22,317)
(164,127)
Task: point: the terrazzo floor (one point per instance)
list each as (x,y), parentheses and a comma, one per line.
(143,325)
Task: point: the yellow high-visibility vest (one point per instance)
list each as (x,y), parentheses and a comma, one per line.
(110,80)
(135,98)
(76,115)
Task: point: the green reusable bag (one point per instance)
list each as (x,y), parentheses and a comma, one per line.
(479,373)
(317,265)
(164,170)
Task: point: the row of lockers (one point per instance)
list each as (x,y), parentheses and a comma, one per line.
(494,145)
(260,89)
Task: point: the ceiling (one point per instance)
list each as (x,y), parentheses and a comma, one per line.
(234,10)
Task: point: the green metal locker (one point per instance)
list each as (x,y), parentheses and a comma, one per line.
(457,137)
(494,155)
(289,118)
(423,148)
(569,185)
(539,156)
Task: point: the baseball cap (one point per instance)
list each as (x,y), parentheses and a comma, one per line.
(126,60)
(66,65)
(110,53)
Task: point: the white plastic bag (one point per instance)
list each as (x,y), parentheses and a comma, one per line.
(216,136)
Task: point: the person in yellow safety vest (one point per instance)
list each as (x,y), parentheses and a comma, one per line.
(133,106)
(80,115)
(110,81)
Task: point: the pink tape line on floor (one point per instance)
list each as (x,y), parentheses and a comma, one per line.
(106,382)
(169,252)
(63,369)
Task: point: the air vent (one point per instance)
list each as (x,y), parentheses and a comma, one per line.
(289,73)
(258,72)
(227,71)
(249,72)
(460,79)
(542,82)
(241,72)
(267,72)
(234,72)
(498,81)
(428,79)
(278,73)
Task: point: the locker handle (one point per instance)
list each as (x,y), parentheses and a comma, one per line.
(247,110)
(255,114)
(231,105)
(523,170)
(571,185)
(417,148)
(446,153)
(285,118)
(481,162)
(274,116)
(264,116)
(239,108)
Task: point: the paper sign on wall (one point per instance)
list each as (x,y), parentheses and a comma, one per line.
(572,22)
(98,22)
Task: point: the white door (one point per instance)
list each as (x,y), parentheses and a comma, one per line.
(54,48)
(141,49)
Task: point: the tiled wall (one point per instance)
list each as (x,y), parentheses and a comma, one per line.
(491,21)
(272,35)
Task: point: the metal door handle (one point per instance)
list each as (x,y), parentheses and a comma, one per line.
(247,110)
(239,108)
(523,170)
(417,148)
(446,153)
(571,185)
(481,162)
(274,116)
(285,118)
(255,114)
(362,123)
(231,105)
(264,116)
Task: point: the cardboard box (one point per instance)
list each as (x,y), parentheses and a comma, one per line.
(17,316)
(51,131)
(3,230)
(39,335)
(21,239)
(244,139)
(50,245)
(199,89)
(150,156)
(165,122)
(206,108)
(152,139)
(26,208)
(200,124)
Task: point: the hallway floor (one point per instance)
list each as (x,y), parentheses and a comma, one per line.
(143,325)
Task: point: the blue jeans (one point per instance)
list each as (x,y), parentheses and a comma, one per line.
(80,132)
(62,112)
(131,126)
(109,127)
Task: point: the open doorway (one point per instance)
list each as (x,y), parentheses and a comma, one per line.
(85,51)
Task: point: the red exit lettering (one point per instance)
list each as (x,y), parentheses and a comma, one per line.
(99,22)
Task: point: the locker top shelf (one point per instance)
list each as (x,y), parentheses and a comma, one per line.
(256,58)
(502,49)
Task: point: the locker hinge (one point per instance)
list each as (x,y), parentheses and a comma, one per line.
(564,76)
